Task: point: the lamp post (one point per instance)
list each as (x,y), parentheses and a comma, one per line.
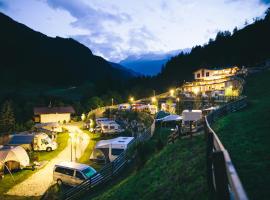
(178,102)
(71,145)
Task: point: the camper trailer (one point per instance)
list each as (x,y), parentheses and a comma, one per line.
(191,120)
(109,150)
(110,127)
(124,106)
(36,142)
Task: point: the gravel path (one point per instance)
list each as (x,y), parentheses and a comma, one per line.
(39,182)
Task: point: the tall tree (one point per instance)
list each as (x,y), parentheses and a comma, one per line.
(7,119)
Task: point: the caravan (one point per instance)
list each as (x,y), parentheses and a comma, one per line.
(36,142)
(109,150)
(109,127)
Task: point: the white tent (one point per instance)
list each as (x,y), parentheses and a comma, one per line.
(170,118)
(17,154)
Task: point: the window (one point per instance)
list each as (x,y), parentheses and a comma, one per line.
(207,74)
(79,175)
(105,127)
(111,127)
(116,152)
(65,171)
(44,141)
(88,172)
(198,75)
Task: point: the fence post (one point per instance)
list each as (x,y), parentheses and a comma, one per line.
(221,180)
(209,161)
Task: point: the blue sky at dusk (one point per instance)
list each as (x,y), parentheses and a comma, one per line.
(115,29)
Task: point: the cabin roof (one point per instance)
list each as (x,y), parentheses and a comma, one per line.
(53,110)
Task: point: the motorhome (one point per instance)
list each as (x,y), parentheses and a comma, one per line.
(110,127)
(33,141)
(124,106)
(109,150)
(72,173)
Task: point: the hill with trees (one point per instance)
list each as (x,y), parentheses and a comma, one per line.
(247,47)
(30,57)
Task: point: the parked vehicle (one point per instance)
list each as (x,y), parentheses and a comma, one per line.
(72,173)
(110,127)
(124,106)
(33,141)
(109,150)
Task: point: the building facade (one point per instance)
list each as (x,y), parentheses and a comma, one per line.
(53,114)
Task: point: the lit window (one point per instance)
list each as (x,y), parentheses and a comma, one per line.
(198,75)
(207,73)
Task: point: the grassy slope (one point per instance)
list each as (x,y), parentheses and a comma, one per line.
(20,176)
(176,172)
(246,136)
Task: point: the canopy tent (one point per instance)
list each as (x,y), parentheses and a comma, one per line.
(18,154)
(171,118)
(162,114)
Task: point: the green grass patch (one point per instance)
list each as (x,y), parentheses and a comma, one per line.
(20,176)
(175,172)
(245,135)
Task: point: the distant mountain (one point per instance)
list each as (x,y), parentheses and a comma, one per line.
(124,69)
(150,63)
(31,57)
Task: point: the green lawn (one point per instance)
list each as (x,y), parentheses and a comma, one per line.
(20,176)
(175,172)
(246,135)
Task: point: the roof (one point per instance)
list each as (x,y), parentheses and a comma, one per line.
(53,110)
(193,111)
(118,140)
(171,118)
(215,68)
(72,165)
(21,139)
(162,114)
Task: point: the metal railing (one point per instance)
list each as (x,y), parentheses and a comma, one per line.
(222,177)
(107,173)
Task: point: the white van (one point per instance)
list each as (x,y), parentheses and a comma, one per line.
(72,173)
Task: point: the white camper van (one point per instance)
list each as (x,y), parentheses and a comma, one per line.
(37,142)
(109,150)
(110,127)
(124,106)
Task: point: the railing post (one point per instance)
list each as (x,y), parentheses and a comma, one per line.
(209,161)
(221,180)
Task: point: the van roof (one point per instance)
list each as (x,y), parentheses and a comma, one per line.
(118,140)
(72,165)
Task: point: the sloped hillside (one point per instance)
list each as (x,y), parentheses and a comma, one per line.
(31,57)
(246,136)
(176,172)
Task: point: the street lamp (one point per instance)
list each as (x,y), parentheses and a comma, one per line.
(71,135)
(153,99)
(131,99)
(172,92)
(178,102)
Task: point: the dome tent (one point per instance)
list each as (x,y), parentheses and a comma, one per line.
(17,154)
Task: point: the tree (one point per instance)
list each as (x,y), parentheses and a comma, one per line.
(7,119)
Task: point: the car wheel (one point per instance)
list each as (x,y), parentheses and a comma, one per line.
(49,149)
(59,182)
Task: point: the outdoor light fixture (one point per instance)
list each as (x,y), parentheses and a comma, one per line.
(172,92)
(153,99)
(131,99)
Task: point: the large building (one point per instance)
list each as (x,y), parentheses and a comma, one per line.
(53,114)
(215,81)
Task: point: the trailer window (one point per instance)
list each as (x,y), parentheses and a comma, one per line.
(116,152)
(105,127)
(111,127)
(65,171)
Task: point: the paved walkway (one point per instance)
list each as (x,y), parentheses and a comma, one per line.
(38,183)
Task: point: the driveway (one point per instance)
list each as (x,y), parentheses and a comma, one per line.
(38,183)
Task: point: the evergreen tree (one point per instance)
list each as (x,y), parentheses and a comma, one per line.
(7,119)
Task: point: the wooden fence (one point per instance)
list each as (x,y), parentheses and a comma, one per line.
(108,172)
(222,177)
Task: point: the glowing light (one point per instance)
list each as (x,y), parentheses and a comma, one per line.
(131,99)
(172,92)
(153,99)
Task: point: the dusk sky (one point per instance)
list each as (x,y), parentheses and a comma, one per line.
(115,29)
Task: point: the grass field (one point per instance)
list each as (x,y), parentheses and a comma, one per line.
(20,176)
(175,172)
(246,135)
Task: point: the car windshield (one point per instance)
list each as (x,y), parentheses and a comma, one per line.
(88,172)
(49,140)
